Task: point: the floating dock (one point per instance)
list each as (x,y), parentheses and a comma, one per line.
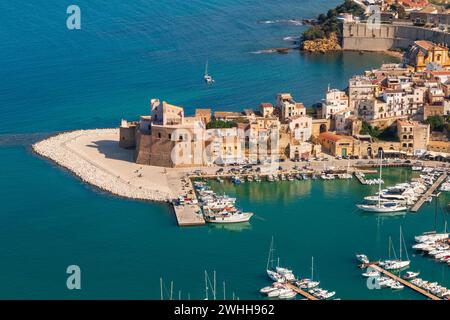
(428,194)
(301,292)
(404,282)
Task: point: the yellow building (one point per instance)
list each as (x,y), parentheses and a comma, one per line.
(424,52)
(337,145)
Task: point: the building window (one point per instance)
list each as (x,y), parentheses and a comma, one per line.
(159,135)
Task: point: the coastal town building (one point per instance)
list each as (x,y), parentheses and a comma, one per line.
(335,101)
(423,53)
(168,138)
(414,137)
(288,107)
(361,88)
(337,145)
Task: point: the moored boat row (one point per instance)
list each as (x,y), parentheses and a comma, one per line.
(285,280)
(219,208)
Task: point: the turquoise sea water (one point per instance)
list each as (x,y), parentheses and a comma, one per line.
(126,53)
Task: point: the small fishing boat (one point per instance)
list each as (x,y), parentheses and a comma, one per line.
(371,274)
(362,258)
(208,79)
(286,294)
(411,275)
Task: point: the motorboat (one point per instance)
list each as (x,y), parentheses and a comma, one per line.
(371,274)
(208,79)
(362,258)
(411,275)
(287,294)
(396,286)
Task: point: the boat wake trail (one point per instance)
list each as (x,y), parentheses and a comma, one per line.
(292,22)
(22,139)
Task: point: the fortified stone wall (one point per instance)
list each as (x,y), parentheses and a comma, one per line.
(143,143)
(357,36)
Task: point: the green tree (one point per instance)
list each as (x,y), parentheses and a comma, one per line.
(437,123)
(220,124)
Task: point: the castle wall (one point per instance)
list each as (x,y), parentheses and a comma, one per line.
(143,143)
(127,137)
(357,36)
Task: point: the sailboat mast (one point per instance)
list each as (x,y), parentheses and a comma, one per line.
(401,244)
(312,268)
(436,214)
(206,68)
(390,240)
(214,285)
(206,285)
(224,293)
(161,285)
(269,258)
(379,181)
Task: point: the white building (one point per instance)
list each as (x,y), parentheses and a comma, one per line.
(335,101)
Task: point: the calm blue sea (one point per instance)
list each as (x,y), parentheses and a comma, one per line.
(126,53)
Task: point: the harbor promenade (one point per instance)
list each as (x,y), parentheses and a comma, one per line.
(96,158)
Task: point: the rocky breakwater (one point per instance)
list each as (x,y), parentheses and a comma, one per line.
(56,149)
(322,45)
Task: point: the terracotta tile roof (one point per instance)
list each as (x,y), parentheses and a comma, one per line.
(427,45)
(334,137)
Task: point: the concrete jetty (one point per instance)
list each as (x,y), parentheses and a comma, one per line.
(429,192)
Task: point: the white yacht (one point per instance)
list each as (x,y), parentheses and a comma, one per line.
(371,274)
(383,207)
(274,293)
(229,217)
(287,294)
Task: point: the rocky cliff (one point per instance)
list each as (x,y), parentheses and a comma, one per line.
(322,45)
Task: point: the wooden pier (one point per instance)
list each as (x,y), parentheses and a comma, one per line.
(428,194)
(404,282)
(301,292)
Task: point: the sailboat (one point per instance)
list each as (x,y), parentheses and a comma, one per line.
(273,275)
(382,206)
(308,283)
(208,79)
(397,264)
(278,274)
